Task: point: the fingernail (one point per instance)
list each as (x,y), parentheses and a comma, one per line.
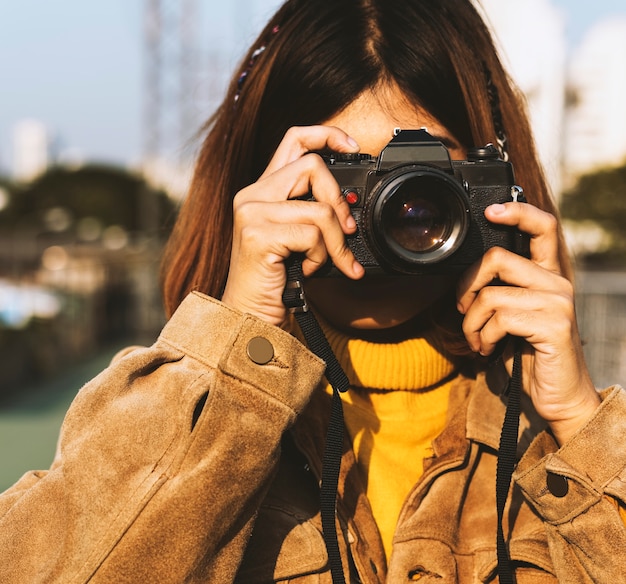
(352,142)
(497,209)
(358,269)
(350,222)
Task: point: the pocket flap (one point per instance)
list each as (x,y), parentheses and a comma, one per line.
(530,556)
(284,545)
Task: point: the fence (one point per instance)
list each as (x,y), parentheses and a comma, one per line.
(601,308)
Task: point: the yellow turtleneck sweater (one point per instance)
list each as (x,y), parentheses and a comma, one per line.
(396,406)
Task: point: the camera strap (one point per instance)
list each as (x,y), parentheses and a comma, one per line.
(295,302)
(507,460)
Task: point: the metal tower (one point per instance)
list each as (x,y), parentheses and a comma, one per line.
(171,77)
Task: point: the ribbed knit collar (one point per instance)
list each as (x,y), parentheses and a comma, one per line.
(410,364)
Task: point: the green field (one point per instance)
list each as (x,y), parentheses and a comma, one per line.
(30,421)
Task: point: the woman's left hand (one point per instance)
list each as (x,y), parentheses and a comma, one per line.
(536,303)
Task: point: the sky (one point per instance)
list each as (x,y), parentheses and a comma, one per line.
(77,66)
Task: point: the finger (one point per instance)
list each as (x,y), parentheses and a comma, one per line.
(302,139)
(257,276)
(285,240)
(299,238)
(506,266)
(308,174)
(292,214)
(540,225)
(535,316)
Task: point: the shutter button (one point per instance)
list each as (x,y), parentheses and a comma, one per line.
(260,350)
(557,485)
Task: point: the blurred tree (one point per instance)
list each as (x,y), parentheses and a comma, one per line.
(112,196)
(599,199)
(91,236)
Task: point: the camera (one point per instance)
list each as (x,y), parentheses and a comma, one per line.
(419,212)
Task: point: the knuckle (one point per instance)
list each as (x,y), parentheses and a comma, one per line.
(308,235)
(245,212)
(313,162)
(325,212)
(250,236)
(466,327)
(562,327)
(488,294)
(552,223)
(240,198)
(495,255)
(567,308)
(500,319)
(293,134)
(562,301)
(315,238)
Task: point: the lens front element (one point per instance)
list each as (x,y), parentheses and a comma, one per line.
(419,216)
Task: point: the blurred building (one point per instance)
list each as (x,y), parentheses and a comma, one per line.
(576,99)
(531,40)
(596,113)
(31,149)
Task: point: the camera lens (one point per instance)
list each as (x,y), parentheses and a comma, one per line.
(418,217)
(416,223)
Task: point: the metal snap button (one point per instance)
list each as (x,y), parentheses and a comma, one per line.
(557,485)
(260,350)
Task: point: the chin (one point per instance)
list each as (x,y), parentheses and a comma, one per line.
(370,323)
(374,304)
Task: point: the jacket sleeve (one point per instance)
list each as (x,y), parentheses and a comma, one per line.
(164,458)
(574,489)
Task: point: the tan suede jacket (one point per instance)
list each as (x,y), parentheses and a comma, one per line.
(197,460)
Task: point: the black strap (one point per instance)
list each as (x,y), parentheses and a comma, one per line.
(507,459)
(294,300)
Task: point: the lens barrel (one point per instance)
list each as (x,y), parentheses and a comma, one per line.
(416,216)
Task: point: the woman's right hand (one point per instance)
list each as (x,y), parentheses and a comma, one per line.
(269,225)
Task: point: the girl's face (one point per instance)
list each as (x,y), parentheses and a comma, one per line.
(381,303)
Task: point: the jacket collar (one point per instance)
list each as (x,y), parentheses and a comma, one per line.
(476,413)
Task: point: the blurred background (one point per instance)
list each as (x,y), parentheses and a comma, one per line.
(100,106)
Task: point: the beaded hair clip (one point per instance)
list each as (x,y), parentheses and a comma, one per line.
(253,58)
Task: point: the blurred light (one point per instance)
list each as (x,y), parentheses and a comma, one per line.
(57,219)
(89,229)
(115,237)
(54,258)
(4,198)
(586,237)
(20,303)
(31,149)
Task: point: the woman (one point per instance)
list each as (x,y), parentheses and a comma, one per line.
(199,459)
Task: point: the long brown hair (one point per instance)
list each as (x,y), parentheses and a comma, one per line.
(318,57)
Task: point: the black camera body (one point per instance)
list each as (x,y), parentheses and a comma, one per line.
(419,212)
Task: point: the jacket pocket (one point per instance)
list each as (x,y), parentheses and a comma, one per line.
(529,556)
(285,546)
